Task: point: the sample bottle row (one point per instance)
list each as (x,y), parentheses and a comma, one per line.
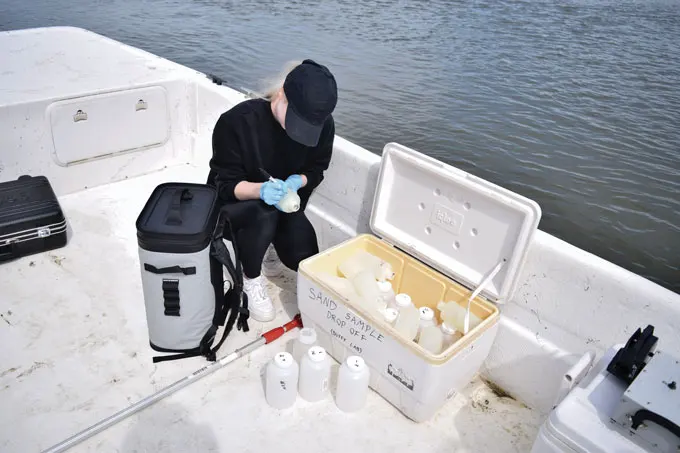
(285,379)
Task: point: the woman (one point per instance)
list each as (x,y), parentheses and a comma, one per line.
(288,136)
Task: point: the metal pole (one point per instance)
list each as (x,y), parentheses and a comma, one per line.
(100,426)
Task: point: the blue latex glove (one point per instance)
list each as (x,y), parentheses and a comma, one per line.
(271,192)
(294,182)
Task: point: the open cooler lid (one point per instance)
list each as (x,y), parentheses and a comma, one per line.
(465,227)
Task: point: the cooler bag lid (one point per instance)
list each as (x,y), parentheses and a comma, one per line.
(463,226)
(178,218)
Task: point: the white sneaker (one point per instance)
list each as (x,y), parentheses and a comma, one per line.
(260,305)
(272,265)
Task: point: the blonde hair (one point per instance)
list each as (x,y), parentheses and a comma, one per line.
(274,84)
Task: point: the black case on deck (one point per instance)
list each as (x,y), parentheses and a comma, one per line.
(31,220)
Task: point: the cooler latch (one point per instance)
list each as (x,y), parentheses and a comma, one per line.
(171,297)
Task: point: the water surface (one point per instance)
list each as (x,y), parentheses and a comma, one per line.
(573,104)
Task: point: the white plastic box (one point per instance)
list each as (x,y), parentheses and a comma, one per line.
(443,231)
(582,421)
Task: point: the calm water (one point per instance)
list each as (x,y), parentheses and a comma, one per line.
(574,104)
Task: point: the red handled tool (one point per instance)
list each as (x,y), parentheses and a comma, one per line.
(264,339)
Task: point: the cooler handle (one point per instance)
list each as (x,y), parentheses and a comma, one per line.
(174,216)
(644,414)
(169,270)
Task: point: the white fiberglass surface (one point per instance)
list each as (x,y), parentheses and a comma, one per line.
(76,351)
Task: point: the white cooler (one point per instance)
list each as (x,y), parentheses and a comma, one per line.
(582,422)
(444,232)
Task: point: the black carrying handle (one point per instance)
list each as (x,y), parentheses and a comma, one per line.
(174,215)
(169,270)
(644,414)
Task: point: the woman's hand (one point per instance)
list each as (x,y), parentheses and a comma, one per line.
(271,192)
(294,182)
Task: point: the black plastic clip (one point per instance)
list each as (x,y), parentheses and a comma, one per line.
(632,358)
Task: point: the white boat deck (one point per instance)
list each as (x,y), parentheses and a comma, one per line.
(75,350)
(72,321)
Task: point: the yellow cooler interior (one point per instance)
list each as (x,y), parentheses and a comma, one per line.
(426,287)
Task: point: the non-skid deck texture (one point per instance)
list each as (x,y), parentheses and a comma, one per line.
(75,350)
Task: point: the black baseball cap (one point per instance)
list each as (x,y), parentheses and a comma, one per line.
(312,95)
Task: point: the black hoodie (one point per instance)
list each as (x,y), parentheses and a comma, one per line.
(248,137)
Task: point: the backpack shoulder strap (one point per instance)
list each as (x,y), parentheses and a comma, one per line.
(235,299)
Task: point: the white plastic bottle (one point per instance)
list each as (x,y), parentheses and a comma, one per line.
(315,373)
(305,340)
(362,260)
(449,335)
(290,202)
(367,288)
(426,318)
(408,322)
(352,388)
(356,263)
(281,381)
(386,294)
(454,315)
(390,315)
(431,338)
(341,285)
(401,300)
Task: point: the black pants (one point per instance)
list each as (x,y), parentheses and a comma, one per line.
(257,225)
